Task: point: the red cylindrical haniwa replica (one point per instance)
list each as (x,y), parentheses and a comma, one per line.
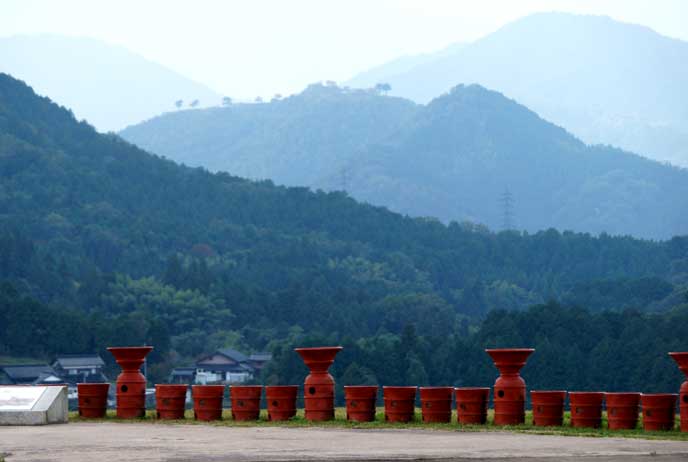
(622,410)
(207,400)
(245,401)
(586,408)
(659,411)
(681,359)
(92,399)
(170,401)
(548,408)
(319,384)
(400,403)
(436,404)
(471,405)
(360,402)
(509,388)
(131,383)
(281,401)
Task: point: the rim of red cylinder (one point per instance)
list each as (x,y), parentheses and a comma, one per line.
(508,350)
(338,348)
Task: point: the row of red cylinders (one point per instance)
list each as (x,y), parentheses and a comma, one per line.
(658,409)
(208,401)
(509,388)
(436,404)
(361,402)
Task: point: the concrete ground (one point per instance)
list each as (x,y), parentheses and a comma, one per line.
(77,442)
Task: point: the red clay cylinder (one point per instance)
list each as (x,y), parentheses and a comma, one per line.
(436,404)
(318,389)
(170,401)
(659,411)
(509,388)
(245,401)
(681,359)
(400,403)
(131,383)
(360,402)
(586,409)
(471,405)
(548,408)
(92,399)
(207,401)
(281,401)
(622,410)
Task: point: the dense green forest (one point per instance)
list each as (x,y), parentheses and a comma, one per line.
(102,243)
(454,158)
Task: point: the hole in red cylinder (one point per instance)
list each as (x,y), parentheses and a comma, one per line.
(124,388)
(240,404)
(353,404)
(275,403)
(648,413)
(685,398)
(500,393)
(311,390)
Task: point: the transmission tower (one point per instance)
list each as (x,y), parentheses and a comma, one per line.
(344,179)
(507,202)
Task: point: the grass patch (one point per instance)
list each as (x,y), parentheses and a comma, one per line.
(379,423)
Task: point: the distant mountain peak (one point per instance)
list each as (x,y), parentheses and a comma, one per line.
(605,81)
(108,85)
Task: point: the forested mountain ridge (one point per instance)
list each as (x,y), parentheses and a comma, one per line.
(453,158)
(607,82)
(295,141)
(465,149)
(102,243)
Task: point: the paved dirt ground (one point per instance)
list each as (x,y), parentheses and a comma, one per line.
(77,442)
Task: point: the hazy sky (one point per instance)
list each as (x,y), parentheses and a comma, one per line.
(261,47)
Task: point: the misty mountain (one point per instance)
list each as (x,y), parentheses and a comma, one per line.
(605,81)
(453,158)
(107,85)
(295,141)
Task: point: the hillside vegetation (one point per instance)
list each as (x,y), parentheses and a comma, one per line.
(102,243)
(454,158)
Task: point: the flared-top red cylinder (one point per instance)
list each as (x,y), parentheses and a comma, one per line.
(360,402)
(622,410)
(318,389)
(681,359)
(436,404)
(400,403)
(245,401)
(207,401)
(586,408)
(548,408)
(509,388)
(281,401)
(659,411)
(92,399)
(170,401)
(471,405)
(131,383)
